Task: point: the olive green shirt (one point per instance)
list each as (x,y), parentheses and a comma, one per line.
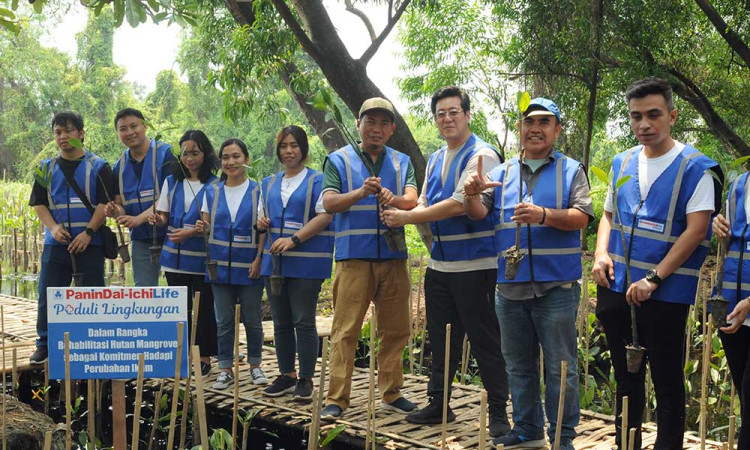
(332,178)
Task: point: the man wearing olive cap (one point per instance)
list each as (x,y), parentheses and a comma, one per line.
(539,305)
(368,268)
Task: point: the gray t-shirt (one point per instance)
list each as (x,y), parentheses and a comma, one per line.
(580,199)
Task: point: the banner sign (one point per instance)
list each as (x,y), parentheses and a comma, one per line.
(110,326)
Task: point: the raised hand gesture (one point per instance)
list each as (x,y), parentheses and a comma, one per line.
(477,183)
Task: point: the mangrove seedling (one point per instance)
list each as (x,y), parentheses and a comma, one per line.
(156,245)
(395,238)
(513,254)
(634,352)
(43,176)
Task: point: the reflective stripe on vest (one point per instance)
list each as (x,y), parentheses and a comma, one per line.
(189,255)
(358,229)
(555,254)
(65,206)
(312,258)
(659,222)
(457,238)
(131,187)
(233,245)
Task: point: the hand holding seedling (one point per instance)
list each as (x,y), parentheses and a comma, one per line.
(60,234)
(254,270)
(181,235)
(129,221)
(156,219)
(201,225)
(527,213)
(394,217)
(80,243)
(737,316)
(370,186)
(282,245)
(721,226)
(477,183)
(640,291)
(263,224)
(603,270)
(385,196)
(113,210)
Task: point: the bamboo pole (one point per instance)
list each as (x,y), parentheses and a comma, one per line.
(245,431)
(312,439)
(704,382)
(236,402)
(624,422)
(423,323)
(188,395)
(370,437)
(90,399)
(483,421)
(46,386)
(411,320)
(157,411)
(631,439)
(200,404)
(48,440)
(14,371)
(446,388)
(138,401)
(176,386)
(2,330)
(561,403)
(732,418)
(68,418)
(315,423)
(464,358)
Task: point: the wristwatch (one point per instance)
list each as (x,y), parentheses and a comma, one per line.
(90,231)
(296,240)
(653,277)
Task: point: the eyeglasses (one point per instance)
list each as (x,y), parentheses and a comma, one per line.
(440,115)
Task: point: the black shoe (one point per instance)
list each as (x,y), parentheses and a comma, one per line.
(331,412)
(39,356)
(303,391)
(499,425)
(283,384)
(515,440)
(205,369)
(432,413)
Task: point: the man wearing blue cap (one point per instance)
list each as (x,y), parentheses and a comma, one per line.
(539,305)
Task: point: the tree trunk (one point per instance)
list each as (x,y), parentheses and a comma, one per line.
(730,36)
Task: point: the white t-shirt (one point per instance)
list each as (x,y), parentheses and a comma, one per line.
(288,186)
(649,170)
(490,159)
(188,188)
(234,195)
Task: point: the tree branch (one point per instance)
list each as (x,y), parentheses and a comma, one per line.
(363,17)
(373,48)
(304,40)
(730,36)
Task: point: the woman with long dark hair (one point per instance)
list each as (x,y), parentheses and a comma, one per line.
(183,256)
(229,213)
(299,248)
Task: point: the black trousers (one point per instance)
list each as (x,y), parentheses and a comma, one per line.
(205,332)
(661,329)
(737,350)
(466,300)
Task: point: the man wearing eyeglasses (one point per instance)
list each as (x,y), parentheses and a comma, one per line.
(461,273)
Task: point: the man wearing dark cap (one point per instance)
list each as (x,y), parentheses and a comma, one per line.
(539,305)
(370,257)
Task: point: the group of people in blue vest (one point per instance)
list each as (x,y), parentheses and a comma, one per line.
(504,270)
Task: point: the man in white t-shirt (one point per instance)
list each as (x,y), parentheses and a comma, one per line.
(657,224)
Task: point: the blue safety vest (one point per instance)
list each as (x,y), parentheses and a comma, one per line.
(457,238)
(67,209)
(359,229)
(555,254)
(739,244)
(652,225)
(233,244)
(190,255)
(314,257)
(137,195)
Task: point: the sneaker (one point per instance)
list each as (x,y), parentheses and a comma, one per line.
(499,425)
(431,414)
(283,384)
(224,380)
(39,356)
(331,412)
(205,369)
(515,440)
(400,405)
(565,444)
(258,376)
(303,391)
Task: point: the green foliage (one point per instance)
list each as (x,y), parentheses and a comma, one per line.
(331,435)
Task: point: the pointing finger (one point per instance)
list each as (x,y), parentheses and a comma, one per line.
(479,166)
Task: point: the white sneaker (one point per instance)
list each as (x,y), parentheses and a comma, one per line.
(224,380)
(258,376)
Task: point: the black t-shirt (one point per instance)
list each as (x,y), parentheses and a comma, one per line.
(39,193)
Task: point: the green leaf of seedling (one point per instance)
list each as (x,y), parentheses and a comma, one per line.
(318,102)
(326,96)
(76,143)
(119,7)
(133,12)
(600,174)
(739,161)
(331,435)
(731,176)
(524,102)
(622,181)
(337,116)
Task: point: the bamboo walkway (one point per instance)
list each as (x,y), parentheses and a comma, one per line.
(596,431)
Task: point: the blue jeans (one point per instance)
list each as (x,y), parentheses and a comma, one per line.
(549,320)
(57,271)
(145,273)
(294,329)
(226,296)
